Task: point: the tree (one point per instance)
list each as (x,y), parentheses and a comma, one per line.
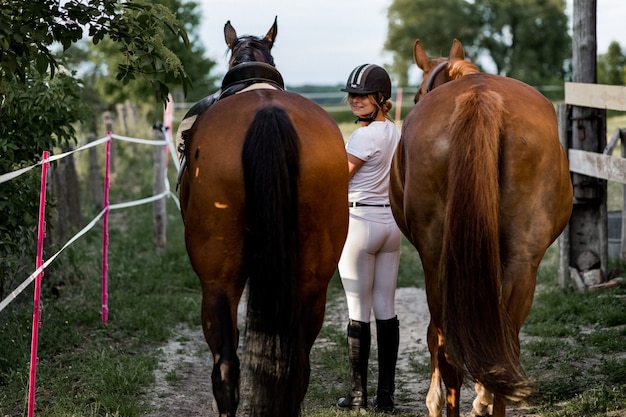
(29,30)
(435,22)
(524,39)
(612,66)
(104,58)
(37,113)
(195,61)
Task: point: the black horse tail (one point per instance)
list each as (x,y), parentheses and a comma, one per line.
(274,342)
(478,334)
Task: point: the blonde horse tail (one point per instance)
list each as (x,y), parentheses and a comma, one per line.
(274,341)
(478,334)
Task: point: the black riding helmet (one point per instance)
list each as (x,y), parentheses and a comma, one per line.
(369,79)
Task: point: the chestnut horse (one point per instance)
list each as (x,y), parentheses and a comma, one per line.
(264,201)
(480,185)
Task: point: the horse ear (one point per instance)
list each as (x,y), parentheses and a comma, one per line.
(230,35)
(421,59)
(271,34)
(456,51)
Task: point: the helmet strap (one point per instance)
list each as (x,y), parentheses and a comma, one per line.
(369,119)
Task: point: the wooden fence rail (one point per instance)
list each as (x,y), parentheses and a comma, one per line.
(600,96)
(593,164)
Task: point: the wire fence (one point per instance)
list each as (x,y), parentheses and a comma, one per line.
(41,265)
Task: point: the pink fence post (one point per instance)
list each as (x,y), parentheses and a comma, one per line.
(41,234)
(105,233)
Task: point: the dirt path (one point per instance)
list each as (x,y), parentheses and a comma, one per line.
(183,386)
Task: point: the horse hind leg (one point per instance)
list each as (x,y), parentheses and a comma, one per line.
(220,331)
(499,406)
(483,403)
(225,380)
(434,399)
(441,369)
(452,379)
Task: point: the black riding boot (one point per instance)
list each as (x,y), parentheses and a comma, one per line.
(359,340)
(388,336)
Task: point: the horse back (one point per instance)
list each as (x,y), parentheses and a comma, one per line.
(212,189)
(530,153)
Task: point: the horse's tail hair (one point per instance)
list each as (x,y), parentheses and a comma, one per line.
(478,334)
(274,343)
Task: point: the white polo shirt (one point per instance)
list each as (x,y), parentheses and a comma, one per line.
(375,144)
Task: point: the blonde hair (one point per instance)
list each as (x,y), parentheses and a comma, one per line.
(385,107)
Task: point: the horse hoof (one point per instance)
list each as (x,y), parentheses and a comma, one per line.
(480,410)
(352,404)
(383,403)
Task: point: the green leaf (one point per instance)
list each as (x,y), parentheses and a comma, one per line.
(42,63)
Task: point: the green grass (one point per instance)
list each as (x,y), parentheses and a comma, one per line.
(577,348)
(90,368)
(601,400)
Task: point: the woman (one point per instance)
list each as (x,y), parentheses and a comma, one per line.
(369,263)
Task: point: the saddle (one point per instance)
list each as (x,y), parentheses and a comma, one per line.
(241,77)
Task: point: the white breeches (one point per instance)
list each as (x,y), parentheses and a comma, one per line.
(369,268)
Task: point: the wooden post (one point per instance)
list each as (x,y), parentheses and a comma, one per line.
(95,177)
(564,117)
(159,206)
(622,251)
(588,224)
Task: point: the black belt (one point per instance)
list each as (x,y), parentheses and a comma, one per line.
(357,204)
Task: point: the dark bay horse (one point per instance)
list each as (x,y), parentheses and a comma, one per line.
(264,203)
(480,185)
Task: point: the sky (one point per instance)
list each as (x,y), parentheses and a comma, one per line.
(320,41)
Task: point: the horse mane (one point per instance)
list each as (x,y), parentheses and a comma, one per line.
(245,48)
(450,69)
(460,68)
